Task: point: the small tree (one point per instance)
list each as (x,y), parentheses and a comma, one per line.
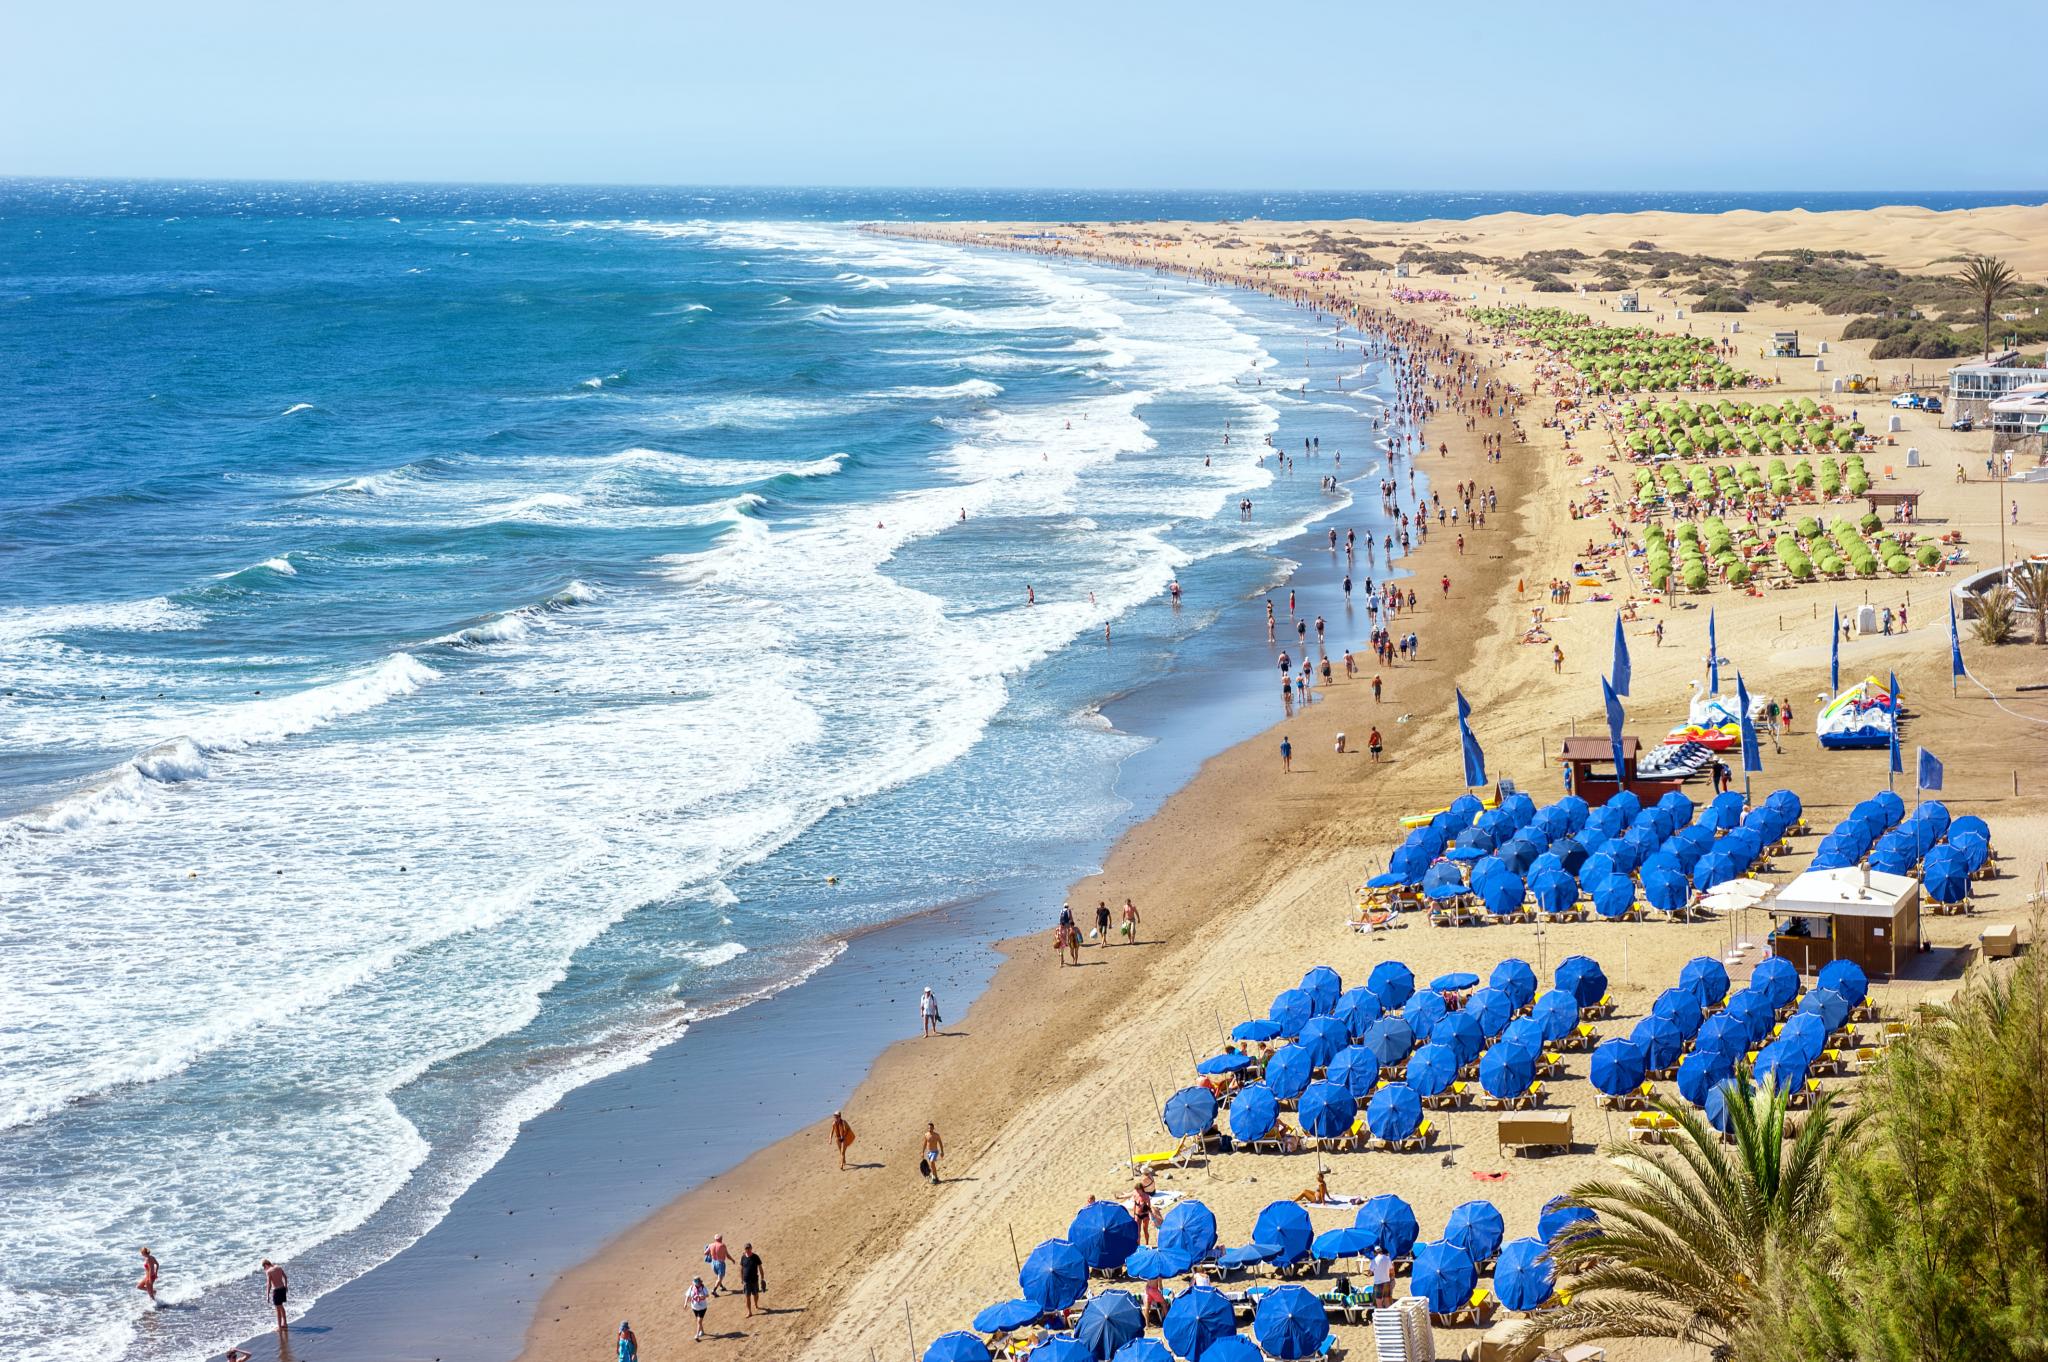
(2030,592)
(1994,616)
(1990,279)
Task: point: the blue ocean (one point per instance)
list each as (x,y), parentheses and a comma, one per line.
(454,638)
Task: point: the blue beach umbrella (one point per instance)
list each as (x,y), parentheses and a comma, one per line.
(1723,1035)
(1444,881)
(1524,1278)
(1706,977)
(1614,896)
(1507,1070)
(1681,1006)
(1444,1275)
(1516,978)
(1477,1228)
(1196,1319)
(1259,1028)
(1323,1037)
(1143,1350)
(1724,810)
(1666,890)
(1290,1323)
(958,1346)
(1616,1066)
(1716,867)
(1408,864)
(1596,868)
(1007,1315)
(1716,1105)
(1291,1010)
(1946,875)
(1389,1223)
(1502,892)
(1390,1039)
(1229,1062)
(1831,1007)
(1392,983)
(1486,868)
(1346,1241)
(1357,1008)
(1322,985)
(1555,891)
(1663,861)
(1189,1112)
(1660,1041)
(1750,1007)
(1424,1011)
(1804,1034)
(1625,803)
(1394,1112)
(1699,1072)
(1743,846)
(1557,1013)
(1238,1349)
(1491,1008)
(1974,850)
(1288,1071)
(1462,1034)
(1679,807)
(1847,978)
(1144,1264)
(1786,803)
(1326,1111)
(1526,1032)
(1465,808)
(1548,863)
(1456,982)
(1189,1227)
(1244,1255)
(1780,1065)
(1558,1218)
(1582,977)
(1285,1224)
(1895,856)
(1054,1276)
(1776,979)
(1431,1070)
(1104,1233)
(1355,1069)
(1109,1320)
(1252,1113)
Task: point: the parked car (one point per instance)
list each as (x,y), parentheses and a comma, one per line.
(1962,423)
(1909,400)
(1930,404)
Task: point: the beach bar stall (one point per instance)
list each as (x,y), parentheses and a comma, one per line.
(1590,761)
(1864,916)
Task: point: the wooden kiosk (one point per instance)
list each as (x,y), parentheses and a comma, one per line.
(1591,763)
(1865,916)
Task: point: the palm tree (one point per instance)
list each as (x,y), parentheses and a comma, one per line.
(1990,279)
(1693,1242)
(2030,592)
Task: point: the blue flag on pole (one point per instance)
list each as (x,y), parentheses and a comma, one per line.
(1713,657)
(1835,657)
(1897,765)
(1475,760)
(1955,642)
(1613,703)
(1752,758)
(1930,771)
(1621,657)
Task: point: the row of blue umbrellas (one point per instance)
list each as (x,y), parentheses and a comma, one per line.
(1946,851)
(1288,1322)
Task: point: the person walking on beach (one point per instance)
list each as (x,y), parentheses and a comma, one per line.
(1286,756)
(1373,742)
(928,1009)
(753,1278)
(842,1137)
(718,1255)
(934,1150)
(279,1287)
(629,1343)
(1102,922)
(1130,923)
(147,1286)
(1556,658)
(699,1301)
(1375,689)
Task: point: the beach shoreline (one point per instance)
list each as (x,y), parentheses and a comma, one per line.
(808,1216)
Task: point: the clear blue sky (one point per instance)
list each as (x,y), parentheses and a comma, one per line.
(1115,93)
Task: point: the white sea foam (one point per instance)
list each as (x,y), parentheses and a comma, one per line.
(967,388)
(297,407)
(22,622)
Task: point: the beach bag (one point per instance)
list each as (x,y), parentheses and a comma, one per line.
(1127,931)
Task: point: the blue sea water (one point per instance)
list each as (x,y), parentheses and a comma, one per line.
(447,650)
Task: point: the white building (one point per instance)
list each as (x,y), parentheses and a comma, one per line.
(2022,410)
(1989,380)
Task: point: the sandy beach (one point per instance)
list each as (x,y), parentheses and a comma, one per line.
(1245,877)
